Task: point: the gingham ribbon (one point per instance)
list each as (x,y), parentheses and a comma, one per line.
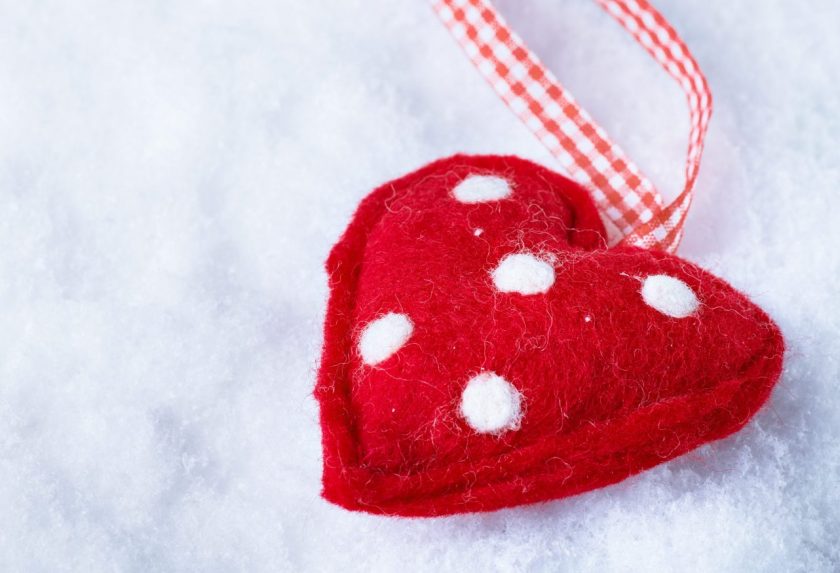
(624,195)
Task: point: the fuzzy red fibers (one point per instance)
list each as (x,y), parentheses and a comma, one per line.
(609,385)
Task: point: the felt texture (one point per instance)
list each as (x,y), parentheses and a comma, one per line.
(609,385)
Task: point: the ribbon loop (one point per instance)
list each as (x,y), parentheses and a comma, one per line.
(626,198)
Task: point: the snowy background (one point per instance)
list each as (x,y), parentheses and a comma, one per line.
(172,176)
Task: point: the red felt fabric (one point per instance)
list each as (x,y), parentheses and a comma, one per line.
(609,385)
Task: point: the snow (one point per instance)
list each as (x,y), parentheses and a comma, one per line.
(172,176)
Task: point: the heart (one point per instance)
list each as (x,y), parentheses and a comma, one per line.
(484,349)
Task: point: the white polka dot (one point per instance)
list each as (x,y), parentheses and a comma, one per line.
(478,232)
(490,404)
(384,336)
(669,296)
(523,273)
(481,188)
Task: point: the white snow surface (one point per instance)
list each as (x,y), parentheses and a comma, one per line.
(172,177)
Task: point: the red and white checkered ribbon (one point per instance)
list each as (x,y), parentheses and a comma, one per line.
(625,196)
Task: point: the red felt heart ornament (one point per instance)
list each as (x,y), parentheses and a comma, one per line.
(485,349)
